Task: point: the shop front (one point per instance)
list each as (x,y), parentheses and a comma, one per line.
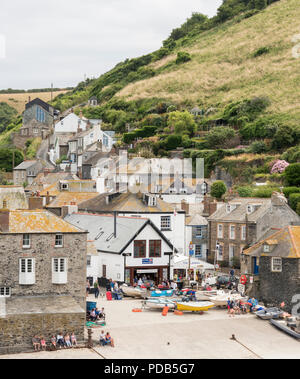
(157,274)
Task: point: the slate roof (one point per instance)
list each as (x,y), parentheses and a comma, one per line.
(25,165)
(239,214)
(101,230)
(66,198)
(196,220)
(38,221)
(284,243)
(126,202)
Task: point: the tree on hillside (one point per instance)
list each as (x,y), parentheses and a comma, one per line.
(220,137)
(182,123)
(292,174)
(7,114)
(218,189)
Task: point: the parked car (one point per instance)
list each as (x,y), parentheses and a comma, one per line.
(227,281)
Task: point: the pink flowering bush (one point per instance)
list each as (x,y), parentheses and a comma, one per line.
(279,167)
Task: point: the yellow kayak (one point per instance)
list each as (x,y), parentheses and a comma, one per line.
(195,306)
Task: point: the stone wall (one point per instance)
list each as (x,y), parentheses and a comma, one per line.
(16,331)
(43,250)
(276,287)
(237,242)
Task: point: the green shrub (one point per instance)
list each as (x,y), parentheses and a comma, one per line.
(219,137)
(258,147)
(292,174)
(292,155)
(289,190)
(261,51)
(218,189)
(298,209)
(183,57)
(265,191)
(245,191)
(294,199)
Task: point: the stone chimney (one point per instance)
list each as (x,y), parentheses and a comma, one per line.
(185,207)
(4,220)
(278,199)
(47,198)
(210,206)
(35,202)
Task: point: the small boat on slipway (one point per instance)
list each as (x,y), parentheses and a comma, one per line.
(290,326)
(133,291)
(221,300)
(269,313)
(195,306)
(159,303)
(162,293)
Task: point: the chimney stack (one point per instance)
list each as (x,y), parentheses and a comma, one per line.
(185,207)
(4,220)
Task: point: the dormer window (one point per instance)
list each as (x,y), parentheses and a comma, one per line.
(249,209)
(266,248)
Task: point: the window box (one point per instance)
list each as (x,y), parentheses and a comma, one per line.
(59,271)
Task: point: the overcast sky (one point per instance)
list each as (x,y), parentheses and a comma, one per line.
(60,41)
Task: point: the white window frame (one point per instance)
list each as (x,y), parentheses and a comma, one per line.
(59,270)
(165,222)
(232,232)
(243,232)
(199,232)
(276,266)
(266,248)
(26,246)
(62,240)
(5,291)
(198,253)
(27,271)
(220,233)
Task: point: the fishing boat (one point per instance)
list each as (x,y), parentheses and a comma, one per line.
(159,303)
(207,295)
(133,291)
(221,300)
(195,306)
(290,326)
(269,313)
(159,293)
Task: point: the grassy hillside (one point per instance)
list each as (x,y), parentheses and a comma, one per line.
(18,100)
(234,61)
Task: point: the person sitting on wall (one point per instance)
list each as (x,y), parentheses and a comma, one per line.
(102,314)
(93,315)
(60,340)
(102,340)
(53,343)
(36,343)
(67,340)
(73,339)
(109,340)
(43,343)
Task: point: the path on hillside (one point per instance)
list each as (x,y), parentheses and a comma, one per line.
(42,154)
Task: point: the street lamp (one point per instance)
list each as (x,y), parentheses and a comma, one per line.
(125,255)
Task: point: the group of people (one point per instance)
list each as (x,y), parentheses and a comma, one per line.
(240,307)
(65,341)
(95,314)
(106,339)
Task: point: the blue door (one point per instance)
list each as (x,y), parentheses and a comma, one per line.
(255,266)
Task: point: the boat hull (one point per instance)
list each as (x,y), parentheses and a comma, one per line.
(134,292)
(195,306)
(166,293)
(283,327)
(152,304)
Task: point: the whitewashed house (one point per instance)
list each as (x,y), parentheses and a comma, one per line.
(70,124)
(166,217)
(127,247)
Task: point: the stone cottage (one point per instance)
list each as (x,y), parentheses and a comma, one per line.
(241,222)
(274,265)
(26,172)
(42,278)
